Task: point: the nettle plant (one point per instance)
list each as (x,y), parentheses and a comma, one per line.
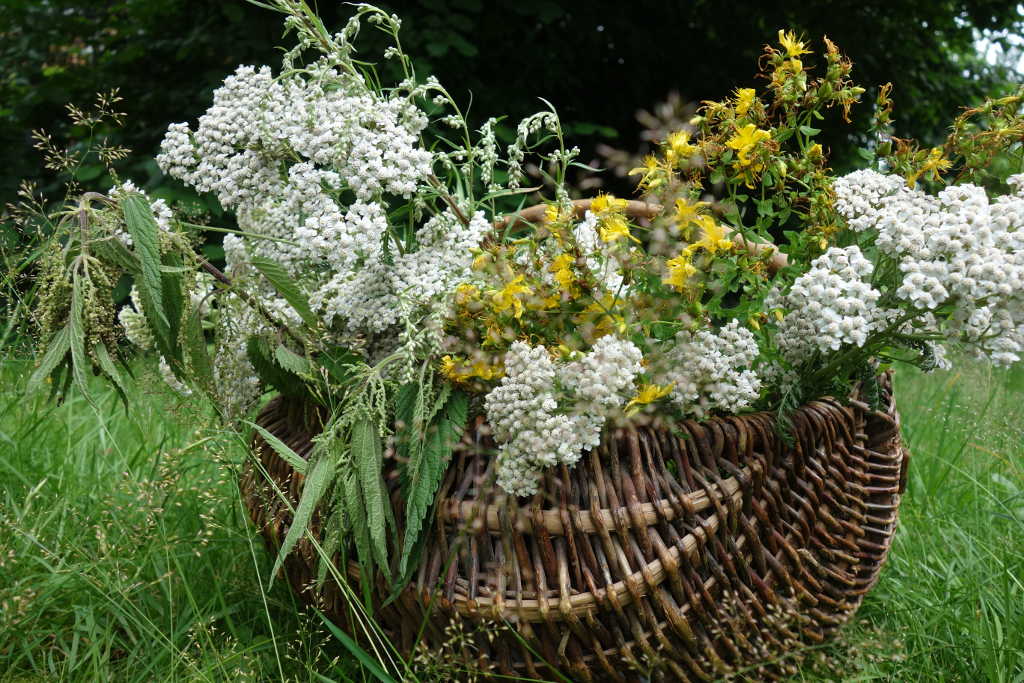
(375,276)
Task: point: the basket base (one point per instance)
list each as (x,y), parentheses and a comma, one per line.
(682,555)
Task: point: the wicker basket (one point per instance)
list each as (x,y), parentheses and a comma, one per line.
(681,554)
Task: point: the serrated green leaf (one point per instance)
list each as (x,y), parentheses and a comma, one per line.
(198,356)
(367,458)
(260,355)
(286,287)
(56,350)
(355,510)
(141,225)
(281,448)
(79,359)
(291,361)
(426,467)
(335,532)
(174,307)
(110,370)
(112,251)
(313,489)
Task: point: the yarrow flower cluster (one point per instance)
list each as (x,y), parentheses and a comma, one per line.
(308,162)
(831,305)
(713,371)
(372,261)
(538,426)
(959,255)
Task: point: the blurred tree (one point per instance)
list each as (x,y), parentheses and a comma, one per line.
(597,62)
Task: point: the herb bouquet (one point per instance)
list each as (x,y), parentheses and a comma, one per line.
(613,438)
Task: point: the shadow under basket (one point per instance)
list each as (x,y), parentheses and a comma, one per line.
(684,554)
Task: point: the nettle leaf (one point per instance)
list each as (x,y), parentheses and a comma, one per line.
(427,464)
(291,361)
(263,361)
(79,359)
(355,509)
(114,252)
(56,351)
(142,226)
(335,534)
(286,287)
(281,448)
(320,474)
(198,355)
(174,306)
(367,459)
(99,351)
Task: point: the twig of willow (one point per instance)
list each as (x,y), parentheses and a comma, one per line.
(639,209)
(448,199)
(220,277)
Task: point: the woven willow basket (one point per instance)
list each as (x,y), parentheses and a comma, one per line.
(681,554)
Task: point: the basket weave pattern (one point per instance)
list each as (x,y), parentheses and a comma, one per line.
(675,555)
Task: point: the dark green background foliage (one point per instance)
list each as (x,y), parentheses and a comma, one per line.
(598,62)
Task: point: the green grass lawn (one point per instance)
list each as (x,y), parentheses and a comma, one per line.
(125,554)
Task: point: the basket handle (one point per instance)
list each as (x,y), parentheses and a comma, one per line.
(639,209)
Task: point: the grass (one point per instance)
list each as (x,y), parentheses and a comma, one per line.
(125,554)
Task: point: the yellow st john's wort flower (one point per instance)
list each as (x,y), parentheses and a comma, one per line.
(605,203)
(680,270)
(602,316)
(465,292)
(562,268)
(713,235)
(456,369)
(687,212)
(651,173)
(678,147)
(508,297)
(744,142)
(935,164)
(648,393)
(614,227)
(744,100)
(793,47)
(481,260)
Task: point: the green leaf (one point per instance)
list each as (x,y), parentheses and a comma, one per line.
(174,307)
(272,374)
(355,510)
(112,251)
(367,458)
(297,462)
(291,361)
(56,350)
(809,131)
(141,225)
(359,653)
(79,359)
(426,468)
(198,356)
(335,532)
(286,287)
(111,371)
(313,489)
